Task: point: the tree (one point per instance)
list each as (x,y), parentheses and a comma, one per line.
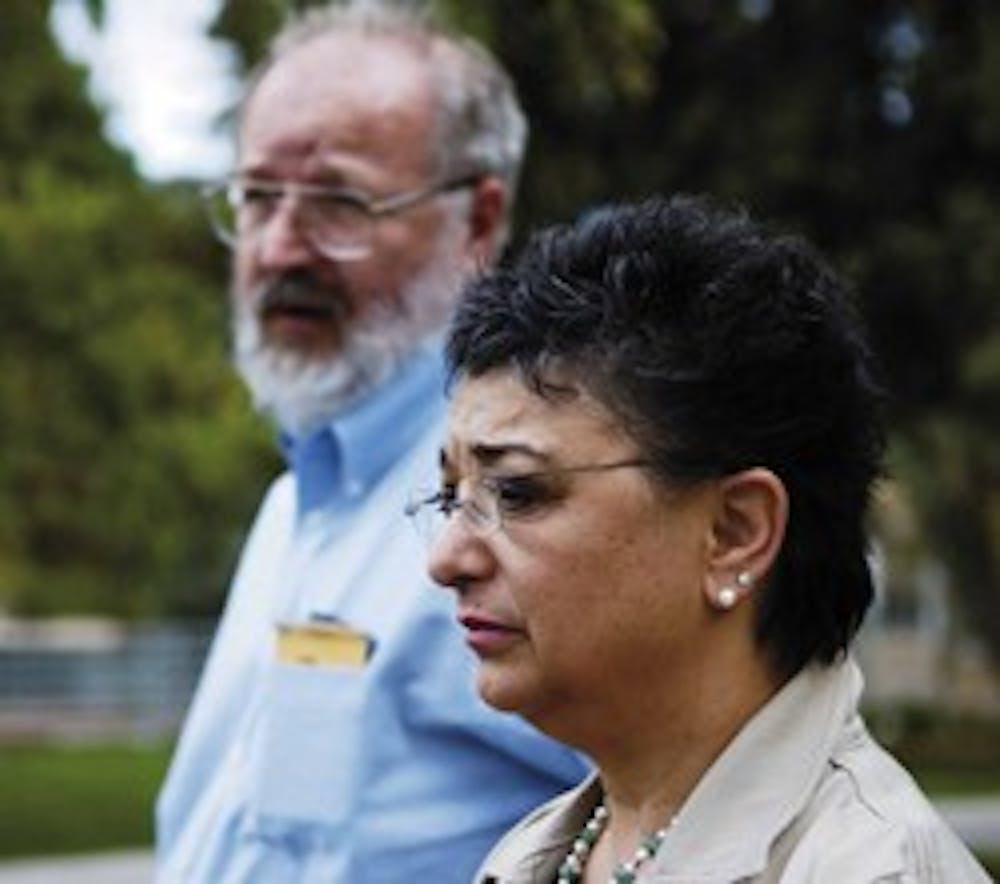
(871,125)
(129,454)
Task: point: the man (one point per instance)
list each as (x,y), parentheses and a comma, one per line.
(335,735)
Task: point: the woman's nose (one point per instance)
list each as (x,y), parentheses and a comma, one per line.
(457,555)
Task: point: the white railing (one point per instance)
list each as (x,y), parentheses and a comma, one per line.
(73,680)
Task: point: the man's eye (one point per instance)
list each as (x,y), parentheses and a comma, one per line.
(255,193)
(257,198)
(336,199)
(519,494)
(335,208)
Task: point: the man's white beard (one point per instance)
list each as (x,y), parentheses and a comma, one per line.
(301,394)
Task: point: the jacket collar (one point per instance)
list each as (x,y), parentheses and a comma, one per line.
(762,780)
(541,841)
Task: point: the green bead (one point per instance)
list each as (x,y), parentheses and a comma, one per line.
(567,875)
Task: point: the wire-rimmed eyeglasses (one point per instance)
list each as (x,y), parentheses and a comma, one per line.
(492,501)
(337,221)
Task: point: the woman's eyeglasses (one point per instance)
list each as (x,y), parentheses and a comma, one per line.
(492,501)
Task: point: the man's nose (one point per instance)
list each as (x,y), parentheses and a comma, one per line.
(282,241)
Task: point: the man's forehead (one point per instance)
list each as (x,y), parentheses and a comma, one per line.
(343,91)
(381,65)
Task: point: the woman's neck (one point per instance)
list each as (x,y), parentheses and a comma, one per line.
(653,757)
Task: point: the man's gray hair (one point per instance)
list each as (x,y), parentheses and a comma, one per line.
(480,127)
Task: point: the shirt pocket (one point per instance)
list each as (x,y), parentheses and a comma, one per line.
(305,763)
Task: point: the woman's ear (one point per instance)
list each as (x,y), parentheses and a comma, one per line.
(748,530)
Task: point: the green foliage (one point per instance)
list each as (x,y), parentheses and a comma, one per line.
(131,462)
(954,753)
(871,125)
(52,794)
(44,119)
(128,435)
(249,24)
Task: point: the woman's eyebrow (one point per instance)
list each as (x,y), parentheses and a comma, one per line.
(489,454)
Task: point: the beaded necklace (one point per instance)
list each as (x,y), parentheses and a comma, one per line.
(571,870)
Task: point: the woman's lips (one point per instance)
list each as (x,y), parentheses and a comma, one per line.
(486,636)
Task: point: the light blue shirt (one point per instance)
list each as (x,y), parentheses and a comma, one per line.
(391,772)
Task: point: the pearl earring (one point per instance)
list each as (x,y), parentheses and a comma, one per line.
(744,579)
(726,598)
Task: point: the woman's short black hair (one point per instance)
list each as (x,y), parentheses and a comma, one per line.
(720,346)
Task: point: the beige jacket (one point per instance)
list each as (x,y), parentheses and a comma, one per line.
(802,795)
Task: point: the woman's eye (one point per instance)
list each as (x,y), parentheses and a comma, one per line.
(519,494)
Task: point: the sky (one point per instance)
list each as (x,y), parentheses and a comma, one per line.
(163,81)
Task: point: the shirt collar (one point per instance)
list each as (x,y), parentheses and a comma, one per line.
(341,461)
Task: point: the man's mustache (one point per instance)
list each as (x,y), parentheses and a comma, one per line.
(301,292)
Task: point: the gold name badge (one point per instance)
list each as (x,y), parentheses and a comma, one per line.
(323,644)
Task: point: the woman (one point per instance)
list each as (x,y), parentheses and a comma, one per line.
(663,437)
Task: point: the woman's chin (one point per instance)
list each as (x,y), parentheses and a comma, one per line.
(501,688)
